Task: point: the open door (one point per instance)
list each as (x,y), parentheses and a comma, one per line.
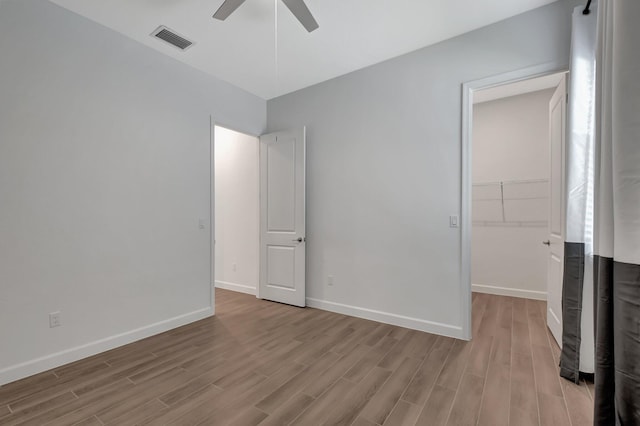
(282,217)
(557,120)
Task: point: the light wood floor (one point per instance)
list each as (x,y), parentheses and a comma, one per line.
(264,363)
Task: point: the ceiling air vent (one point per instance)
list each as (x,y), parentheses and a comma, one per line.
(171,37)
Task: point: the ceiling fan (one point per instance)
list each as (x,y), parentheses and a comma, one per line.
(297,7)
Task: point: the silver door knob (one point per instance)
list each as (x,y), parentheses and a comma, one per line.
(546,243)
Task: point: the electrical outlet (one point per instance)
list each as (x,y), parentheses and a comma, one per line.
(330,280)
(54,320)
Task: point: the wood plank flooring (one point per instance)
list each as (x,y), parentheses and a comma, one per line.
(265,363)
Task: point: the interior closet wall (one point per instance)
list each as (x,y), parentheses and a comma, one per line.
(237,207)
(510,195)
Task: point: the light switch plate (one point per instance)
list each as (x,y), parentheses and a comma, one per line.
(453,221)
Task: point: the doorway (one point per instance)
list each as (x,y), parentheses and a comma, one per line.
(259,214)
(236,210)
(508,186)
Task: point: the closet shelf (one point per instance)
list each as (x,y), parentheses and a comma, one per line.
(512,203)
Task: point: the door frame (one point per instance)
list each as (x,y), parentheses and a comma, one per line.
(468,89)
(212,203)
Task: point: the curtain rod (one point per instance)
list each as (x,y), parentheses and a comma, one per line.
(586,10)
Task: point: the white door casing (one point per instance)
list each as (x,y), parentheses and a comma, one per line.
(557,120)
(282,217)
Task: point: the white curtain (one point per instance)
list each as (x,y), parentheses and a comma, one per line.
(602,248)
(616,240)
(578,283)
(619,131)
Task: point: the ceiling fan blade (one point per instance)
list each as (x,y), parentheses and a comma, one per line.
(227,8)
(302,13)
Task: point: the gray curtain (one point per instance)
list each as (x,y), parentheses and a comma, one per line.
(605,210)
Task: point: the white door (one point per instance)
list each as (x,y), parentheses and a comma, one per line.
(557,120)
(282,217)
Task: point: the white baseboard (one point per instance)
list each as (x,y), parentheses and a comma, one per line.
(513,292)
(388,318)
(29,368)
(241,288)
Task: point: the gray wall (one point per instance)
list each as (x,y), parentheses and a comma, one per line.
(104,175)
(384,169)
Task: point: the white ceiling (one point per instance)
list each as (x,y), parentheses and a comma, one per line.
(518,88)
(242,50)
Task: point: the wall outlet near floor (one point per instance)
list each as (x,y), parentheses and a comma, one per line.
(54,319)
(330,280)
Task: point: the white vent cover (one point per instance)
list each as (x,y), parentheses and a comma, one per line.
(169,36)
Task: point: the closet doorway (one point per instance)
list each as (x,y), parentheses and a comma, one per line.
(516,193)
(236,210)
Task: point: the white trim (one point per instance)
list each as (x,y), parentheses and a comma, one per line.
(465,211)
(212,214)
(512,292)
(240,288)
(38,365)
(388,318)
(466,156)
